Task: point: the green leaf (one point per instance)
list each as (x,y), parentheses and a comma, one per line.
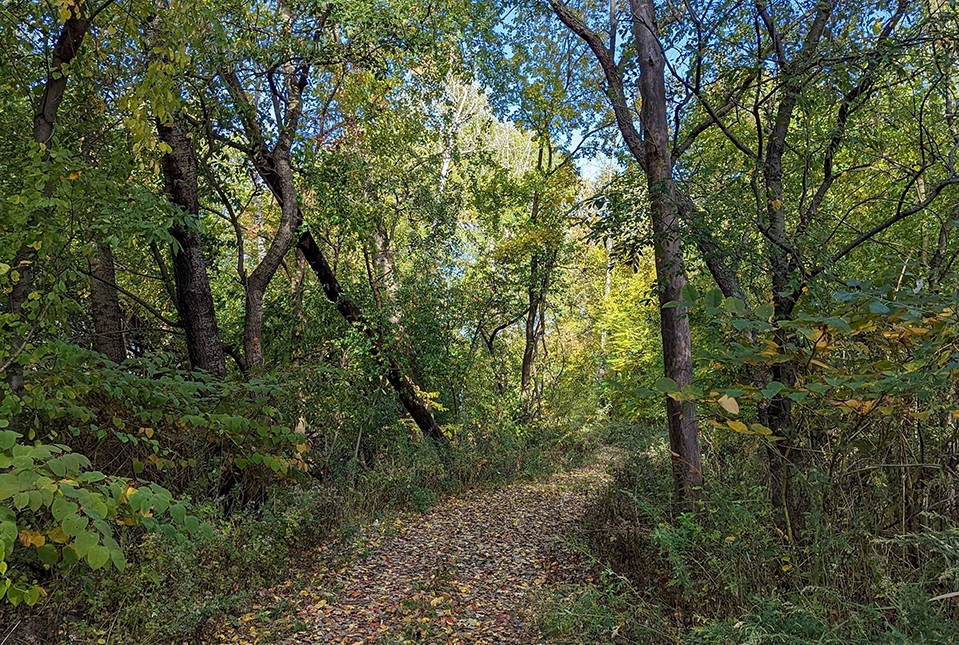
(70,555)
(764,311)
(178,513)
(73,525)
(119,560)
(772,389)
(690,294)
(57,467)
(49,555)
(98,556)
(666,385)
(734,306)
(8,438)
(714,299)
(63,508)
(85,542)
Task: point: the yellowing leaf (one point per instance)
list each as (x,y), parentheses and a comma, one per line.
(31,537)
(57,535)
(737,426)
(759,428)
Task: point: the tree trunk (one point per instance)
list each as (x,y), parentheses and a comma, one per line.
(651,152)
(670,271)
(105,306)
(44,121)
(279,175)
(528,371)
(194,299)
(404,388)
(786,283)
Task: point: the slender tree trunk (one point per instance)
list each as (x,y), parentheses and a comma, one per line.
(105,306)
(670,270)
(44,121)
(384,261)
(528,369)
(194,299)
(651,151)
(281,174)
(786,281)
(404,388)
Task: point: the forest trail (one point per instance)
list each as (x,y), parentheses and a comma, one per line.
(469,571)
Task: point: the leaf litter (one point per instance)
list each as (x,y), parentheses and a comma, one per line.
(469,571)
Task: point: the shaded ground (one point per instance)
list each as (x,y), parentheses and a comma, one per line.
(470,571)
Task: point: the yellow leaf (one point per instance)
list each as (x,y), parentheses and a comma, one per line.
(728,404)
(737,426)
(57,535)
(28,537)
(759,428)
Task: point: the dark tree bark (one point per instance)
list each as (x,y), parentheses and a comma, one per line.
(194,299)
(273,164)
(108,336)
(274,168)
(783,264)
(404,388)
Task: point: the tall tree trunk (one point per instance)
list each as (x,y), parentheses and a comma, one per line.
(105,306)
(44,121)
(528,369)
(786,287)
(651,152)
(194,299)
(274,165)
(670,270)
(278,168)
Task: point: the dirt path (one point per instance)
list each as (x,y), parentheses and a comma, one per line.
(468,572)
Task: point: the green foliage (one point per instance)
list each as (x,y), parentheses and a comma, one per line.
(722,574)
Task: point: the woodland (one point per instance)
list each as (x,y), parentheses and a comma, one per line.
(278,278)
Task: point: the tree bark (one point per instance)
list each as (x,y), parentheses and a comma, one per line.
(404,388)
(786,281)
(194,298)
(44,122)
(105,306)
(670,270)
(652,153)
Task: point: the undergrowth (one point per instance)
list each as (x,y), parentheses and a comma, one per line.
(175,590)
(722,573)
